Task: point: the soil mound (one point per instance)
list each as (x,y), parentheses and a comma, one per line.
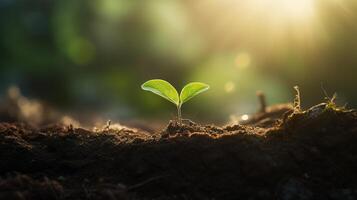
(308,154)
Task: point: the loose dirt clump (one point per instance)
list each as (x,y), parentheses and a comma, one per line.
(24,187)
(308,154)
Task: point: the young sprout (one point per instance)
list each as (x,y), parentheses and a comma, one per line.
(167,91)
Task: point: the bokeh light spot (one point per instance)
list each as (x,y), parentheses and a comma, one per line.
(229,87)
(242,60)
(245,117)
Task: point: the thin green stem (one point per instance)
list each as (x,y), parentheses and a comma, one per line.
(179,113)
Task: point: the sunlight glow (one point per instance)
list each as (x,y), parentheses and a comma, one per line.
(229,87)
(285,20)
(296,9)
(289,10)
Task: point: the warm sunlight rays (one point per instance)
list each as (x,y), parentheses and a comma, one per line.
(269,23)
(285,12)
(283,21)
(294,9)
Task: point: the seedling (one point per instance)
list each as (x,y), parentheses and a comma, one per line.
(167,91)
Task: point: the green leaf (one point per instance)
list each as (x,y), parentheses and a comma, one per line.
(191,90)
(163,89)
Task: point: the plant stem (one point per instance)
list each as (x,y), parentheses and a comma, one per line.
(179,114)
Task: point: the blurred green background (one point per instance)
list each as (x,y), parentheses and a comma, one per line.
(94,54)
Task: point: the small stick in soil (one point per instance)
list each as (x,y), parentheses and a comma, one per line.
(70,128)
(330,100)
(297,100)
(190,122)
(107,126)
(262,101)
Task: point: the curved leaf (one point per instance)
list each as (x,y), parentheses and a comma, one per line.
(191,90)
(163,89)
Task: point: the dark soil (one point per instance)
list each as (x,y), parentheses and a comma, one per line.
(293,155)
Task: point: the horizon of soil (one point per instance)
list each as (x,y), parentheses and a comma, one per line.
(281,153)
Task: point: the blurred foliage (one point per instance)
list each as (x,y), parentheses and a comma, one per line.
(95,54)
